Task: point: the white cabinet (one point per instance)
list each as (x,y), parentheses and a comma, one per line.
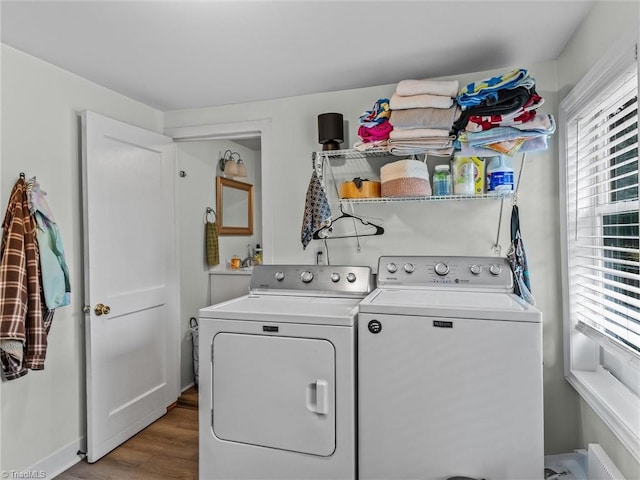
(228,284)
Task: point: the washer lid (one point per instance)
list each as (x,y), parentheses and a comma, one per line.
(450,304)
(287,309)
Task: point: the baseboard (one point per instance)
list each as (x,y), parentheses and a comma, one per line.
(59,461)
(184,389)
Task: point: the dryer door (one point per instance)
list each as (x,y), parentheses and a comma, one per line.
(276,392)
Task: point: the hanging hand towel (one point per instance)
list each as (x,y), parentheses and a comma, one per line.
(317,214)
(211,238)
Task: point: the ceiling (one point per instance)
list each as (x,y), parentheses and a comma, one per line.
(185,54)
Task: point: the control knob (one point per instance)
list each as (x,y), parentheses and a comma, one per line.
(495,269)
(475,269)
(279,276)
(441,269)
(335,277)
(409,268)
(351,277)
(392,267)
(306,276)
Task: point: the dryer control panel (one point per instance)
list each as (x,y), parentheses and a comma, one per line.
(322,280)
(493,273)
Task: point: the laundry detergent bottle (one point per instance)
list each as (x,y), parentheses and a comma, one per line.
(500,174)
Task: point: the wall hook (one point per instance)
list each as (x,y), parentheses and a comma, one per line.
(182,173)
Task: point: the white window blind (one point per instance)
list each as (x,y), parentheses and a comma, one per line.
(602,203)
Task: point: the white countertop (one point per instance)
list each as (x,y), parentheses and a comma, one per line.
(221,270)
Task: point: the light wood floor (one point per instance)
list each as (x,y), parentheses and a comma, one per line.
(166,449)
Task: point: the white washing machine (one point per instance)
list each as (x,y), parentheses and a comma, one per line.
(277,376)
(450,373)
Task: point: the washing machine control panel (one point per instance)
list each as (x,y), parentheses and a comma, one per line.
(492,273)
(330,280)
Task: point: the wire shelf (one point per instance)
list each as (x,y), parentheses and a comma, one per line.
(352,153)
(432,198)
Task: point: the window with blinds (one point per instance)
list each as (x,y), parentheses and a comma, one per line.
(602,203)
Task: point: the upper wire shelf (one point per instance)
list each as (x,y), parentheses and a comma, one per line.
(497,195)
(353,153)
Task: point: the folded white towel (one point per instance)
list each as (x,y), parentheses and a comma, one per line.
(421,150)
(400,134)
(448,88)
(435,142)
(419,101)
(403,169)
(440,118)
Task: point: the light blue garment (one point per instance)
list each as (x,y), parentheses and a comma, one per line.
(500,134)
(53,267)
(536,144)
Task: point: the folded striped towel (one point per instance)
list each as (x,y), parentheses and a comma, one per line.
(476,92)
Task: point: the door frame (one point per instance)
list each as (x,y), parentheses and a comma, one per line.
(239,130)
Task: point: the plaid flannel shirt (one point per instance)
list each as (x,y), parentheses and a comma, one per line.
(21,315)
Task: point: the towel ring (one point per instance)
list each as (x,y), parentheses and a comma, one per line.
(208,212)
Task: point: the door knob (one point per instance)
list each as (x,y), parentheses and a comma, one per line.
(101,309)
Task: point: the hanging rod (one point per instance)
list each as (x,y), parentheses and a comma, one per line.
(497,248)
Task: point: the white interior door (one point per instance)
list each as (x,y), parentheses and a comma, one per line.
(131,288)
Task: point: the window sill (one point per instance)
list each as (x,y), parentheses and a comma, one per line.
(615,404)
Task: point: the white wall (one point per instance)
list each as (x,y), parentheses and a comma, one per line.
(196,192)
(607,22)
(43,413)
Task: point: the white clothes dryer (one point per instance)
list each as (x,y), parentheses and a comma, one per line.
(449,373)
(277,376)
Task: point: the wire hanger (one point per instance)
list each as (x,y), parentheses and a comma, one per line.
(323,233)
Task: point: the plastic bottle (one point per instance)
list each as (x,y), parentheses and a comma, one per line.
(257,256)
(464,177)
(442,180)
(499,174)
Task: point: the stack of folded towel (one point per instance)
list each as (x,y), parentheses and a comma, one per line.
(405,178)
(499,114)
(422,115)
(374,127)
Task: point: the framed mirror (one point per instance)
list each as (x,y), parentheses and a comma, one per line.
(234,201)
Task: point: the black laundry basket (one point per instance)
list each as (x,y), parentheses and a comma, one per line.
(193,329)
